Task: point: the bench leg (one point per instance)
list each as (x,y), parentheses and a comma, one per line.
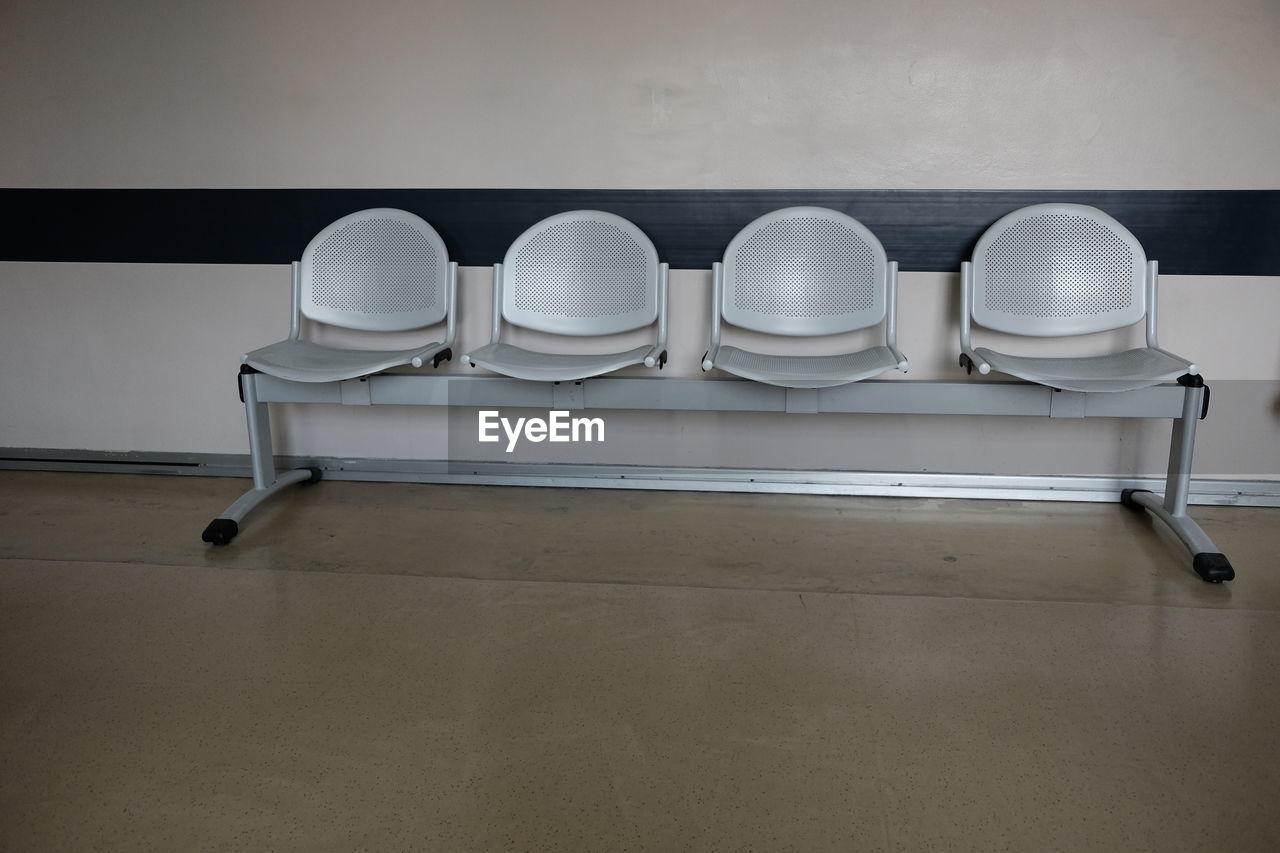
(1209,562)
(266,482)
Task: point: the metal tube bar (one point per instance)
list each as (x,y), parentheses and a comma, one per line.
(1182,444)
(1186,529)
(495,332)
(1153,275)
(295,323)
(1209,562)
(731,395)
(244,504)
(259,423)
(717,296)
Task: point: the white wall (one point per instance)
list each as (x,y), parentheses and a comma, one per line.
(1093,94)
(1145,94)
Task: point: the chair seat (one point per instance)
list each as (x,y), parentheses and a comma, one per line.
(806,371)
(521,363)
(1122,371)
(303,361)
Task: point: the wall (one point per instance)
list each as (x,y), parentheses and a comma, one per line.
(1141,94)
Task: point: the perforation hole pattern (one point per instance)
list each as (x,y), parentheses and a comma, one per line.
(805,267)
(1059,265)
(375,266)
(581,268)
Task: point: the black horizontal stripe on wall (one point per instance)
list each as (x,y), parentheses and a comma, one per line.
(1211,232)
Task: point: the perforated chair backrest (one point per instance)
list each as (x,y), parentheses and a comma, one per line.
(584,272)
(381,269)
(804,271)
(1058,269)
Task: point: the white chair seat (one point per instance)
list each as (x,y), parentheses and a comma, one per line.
(303,361)
(521,363)
(805,371)
(1122,371)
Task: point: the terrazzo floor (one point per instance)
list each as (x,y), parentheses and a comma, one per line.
(448,668)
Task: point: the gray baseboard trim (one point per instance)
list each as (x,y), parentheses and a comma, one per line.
(866,483)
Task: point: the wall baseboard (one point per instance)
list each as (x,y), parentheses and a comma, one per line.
(860,483)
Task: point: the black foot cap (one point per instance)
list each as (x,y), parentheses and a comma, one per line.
(1126,498)
(220,531)
(316,476)
(1214,568)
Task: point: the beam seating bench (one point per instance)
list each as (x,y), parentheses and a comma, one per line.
(1043,270)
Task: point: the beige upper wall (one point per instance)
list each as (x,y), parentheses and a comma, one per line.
(1159,94)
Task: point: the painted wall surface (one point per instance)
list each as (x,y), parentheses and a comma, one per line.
(1095,94)
(1127,94)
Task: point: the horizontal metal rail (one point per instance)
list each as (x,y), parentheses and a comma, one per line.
(704,395)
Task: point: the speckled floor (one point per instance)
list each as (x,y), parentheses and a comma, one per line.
(400,667)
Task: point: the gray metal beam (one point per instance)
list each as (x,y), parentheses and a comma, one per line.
(728,395)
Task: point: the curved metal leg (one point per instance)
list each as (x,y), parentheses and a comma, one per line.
(1208,561)
(265,480)
(225,527)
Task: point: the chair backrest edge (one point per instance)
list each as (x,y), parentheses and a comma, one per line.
(380,269)
(1058,270)
(767,288)
(581,272)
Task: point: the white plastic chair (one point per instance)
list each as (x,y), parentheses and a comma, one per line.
(805,271)
(1061,270)
(581,273)
(382,270)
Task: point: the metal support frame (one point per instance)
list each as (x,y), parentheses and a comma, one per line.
(1207,560)
(1183,403)
(266,482)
